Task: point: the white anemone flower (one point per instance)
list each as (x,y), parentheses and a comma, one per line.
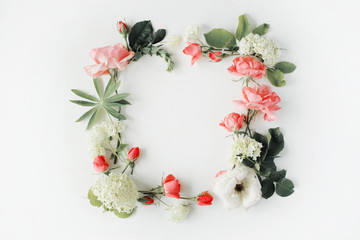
(239,187)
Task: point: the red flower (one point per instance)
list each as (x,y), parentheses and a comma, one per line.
(193,50)
(122,27)
(171,186)
(204,199)
(213,56)
(100,164)
(149,200)
(133,154)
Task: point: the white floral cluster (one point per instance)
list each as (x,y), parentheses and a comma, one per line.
(116,191)
(244,146)
(260,45)
(100,134)
(173,40)
(179,211)
(191,33)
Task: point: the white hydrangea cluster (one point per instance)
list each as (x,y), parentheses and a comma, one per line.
(261,45)
(191,33)
(244,146)
(100,133)
(179,211)
(116,191)
(173,40)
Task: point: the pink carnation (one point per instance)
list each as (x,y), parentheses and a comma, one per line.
(108,57)
(247,66)
(262,99)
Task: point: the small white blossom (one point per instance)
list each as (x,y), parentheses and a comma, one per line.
(191,33)
(116,191)
(239,187)
(264,47)
(244,146)
(173,40)
(96,150)
(179,211)
(101,132)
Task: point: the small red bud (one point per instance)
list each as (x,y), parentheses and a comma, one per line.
(133,154)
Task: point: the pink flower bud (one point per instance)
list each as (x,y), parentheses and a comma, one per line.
(133,154)
(171,186)
(122,27)
(213,56)
(100,164)
(204,199)
(233,122)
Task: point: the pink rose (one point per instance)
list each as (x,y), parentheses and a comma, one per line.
(171,186)
(247,66)
(133,154)
(194,50)
(262,99)
(100,164)
(108,57)
(213,56)
(233,122)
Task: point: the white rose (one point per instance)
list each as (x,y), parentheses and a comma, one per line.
(239,187)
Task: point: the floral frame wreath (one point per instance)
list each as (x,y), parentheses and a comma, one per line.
(254,172)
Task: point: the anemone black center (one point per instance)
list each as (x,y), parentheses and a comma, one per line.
(239,187)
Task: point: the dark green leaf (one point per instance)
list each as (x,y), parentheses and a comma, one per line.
(93,199)
(284,187)
(111,87)
(220,38)
(263,140)
(243,28)
(276,77)
(276,142)
(84,95)
(114,113)
(285,67)
(248,162)
(276,176)
(267,166)
(93,119)
(122,214)
(262,29)
(117,97)
(98,87)
(159,35)
(121,147)
(141,35)
(83,103)
(87,114)
(267,188)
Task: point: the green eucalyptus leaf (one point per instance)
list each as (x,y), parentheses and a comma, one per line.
(121,147)
(262,29)
(94,199)
(114,113)
(285,67)
(93,119)
(83,103)
(84,95)
(111,87)
(220,38)
(243,28)
(98,87)
(276,142)
(159,35)
(276,77)
(263,140)
(267,188)
(141,35)
(122,214)
(276,176)
(87,114)
(284,187)
(117,97)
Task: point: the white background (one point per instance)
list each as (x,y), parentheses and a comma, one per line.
(46,169)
